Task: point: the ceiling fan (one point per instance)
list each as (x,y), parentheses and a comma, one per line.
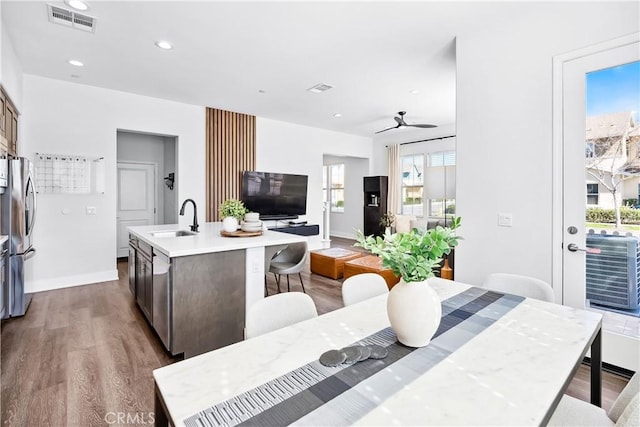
(402,123)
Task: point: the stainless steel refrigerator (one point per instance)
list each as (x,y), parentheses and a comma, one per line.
(18,218)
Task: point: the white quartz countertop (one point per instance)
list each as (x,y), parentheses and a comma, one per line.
(207,240)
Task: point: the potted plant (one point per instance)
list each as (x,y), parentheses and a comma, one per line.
(231,211)
(386,221)
(413,307)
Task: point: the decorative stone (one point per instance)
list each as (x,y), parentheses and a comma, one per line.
(332,358)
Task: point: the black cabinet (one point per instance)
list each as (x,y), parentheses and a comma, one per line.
(375,204)
(301,230)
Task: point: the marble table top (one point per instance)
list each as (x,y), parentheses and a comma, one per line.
(511,373)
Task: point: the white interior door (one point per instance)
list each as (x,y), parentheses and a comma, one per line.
(136,200)
(619,349)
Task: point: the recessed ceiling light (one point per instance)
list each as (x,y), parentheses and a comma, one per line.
(75,63)
(337,115)
(164,45)
(414,92)
(77,4)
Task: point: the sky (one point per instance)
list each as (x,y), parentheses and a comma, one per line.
(614,89)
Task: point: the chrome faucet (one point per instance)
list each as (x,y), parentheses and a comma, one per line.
(194,226)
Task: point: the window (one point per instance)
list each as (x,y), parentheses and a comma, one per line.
(441,183)
(592,194)
(333,186)
(412,184)
(442,158)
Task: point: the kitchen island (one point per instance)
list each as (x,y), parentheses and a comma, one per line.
(195,289)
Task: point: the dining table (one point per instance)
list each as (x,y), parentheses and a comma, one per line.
(496,359)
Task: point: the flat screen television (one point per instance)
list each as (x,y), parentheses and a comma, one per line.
(275,195)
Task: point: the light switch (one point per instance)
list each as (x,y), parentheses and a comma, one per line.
(505,219)
(91,210)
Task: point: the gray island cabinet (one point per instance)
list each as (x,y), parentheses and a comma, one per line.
(195,289)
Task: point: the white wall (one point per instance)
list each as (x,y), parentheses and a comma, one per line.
(344,224)
(289,148)
(504,77)
(68,118)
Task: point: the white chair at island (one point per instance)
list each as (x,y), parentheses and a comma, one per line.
(361,287)
(290,260)
(278,311)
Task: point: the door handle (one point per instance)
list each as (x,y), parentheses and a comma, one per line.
(574,248)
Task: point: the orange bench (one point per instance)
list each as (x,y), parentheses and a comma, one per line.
(370,264)
(330,262)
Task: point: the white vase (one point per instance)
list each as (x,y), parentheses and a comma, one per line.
(230,224)
(414,311)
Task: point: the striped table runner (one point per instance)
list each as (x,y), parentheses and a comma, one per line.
(314,394)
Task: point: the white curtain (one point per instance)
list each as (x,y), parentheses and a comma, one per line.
(393,198)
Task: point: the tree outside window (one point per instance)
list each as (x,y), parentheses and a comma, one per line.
(412,184)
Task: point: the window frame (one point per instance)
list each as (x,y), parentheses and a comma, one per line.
(416,188)
(329,190)
(592,194)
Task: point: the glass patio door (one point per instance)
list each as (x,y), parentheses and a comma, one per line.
(600,174)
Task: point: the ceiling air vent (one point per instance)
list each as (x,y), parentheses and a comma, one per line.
(69,18)
(320,87)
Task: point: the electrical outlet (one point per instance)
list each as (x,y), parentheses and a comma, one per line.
(92,210)
(505,219)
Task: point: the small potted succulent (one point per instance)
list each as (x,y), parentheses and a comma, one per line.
(413,307)
(231,211)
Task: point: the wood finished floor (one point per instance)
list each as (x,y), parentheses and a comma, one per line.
(82,355)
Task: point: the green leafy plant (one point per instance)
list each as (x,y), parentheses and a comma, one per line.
(232,207)
(415,254)
(386,220)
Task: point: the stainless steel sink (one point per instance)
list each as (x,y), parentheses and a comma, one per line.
(173,233)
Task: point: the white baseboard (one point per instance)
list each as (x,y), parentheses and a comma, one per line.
(70,281)
(351,236)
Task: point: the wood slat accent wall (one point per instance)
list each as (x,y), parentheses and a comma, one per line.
(231,149)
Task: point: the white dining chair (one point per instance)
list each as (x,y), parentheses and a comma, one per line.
(516,284)
(625,410)
(363,286)
(278,311)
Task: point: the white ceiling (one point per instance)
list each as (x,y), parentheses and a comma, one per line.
(374,53)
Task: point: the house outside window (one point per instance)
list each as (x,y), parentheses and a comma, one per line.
(333,186)
(412,184)
(592,194)
(440,183)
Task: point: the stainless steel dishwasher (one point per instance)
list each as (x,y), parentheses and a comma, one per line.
(161,297)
